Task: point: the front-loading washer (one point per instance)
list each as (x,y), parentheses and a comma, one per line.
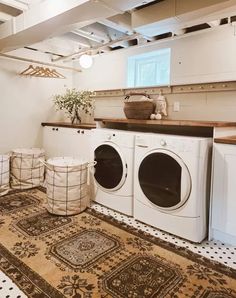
(171,183)
(113,150)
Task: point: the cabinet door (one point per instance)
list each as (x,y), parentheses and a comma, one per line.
(51,141)
(224,189)
(77,143)
(60,141)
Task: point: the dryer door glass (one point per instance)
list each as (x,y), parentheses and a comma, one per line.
(160,178)
(109,167)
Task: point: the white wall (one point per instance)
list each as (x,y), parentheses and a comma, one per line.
(203,57)
(24,104)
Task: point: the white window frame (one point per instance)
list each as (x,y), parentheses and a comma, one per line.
(135,67)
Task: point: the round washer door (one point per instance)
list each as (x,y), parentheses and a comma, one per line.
(164,179)
(111,169)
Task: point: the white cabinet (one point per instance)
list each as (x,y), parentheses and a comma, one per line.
(223,223)
(61,141)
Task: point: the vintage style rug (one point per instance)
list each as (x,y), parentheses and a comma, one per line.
(93,255)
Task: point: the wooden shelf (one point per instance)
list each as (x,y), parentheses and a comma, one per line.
(226,140)
(168,122)
(69,125)
(174,89)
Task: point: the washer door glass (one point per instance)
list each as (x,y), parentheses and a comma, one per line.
(164,179)
(109,170)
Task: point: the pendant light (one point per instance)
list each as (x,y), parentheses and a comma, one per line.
(86,61)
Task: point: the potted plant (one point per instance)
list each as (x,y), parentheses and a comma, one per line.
(74,102)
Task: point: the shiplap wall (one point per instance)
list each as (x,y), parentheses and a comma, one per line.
(205,57)
(193,106)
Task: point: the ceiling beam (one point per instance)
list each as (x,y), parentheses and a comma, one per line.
(99,47)
(16,4)
(171,15)
(124,5)
(91,35)
(70,36)
(49,18)
(4,16)
(120,22)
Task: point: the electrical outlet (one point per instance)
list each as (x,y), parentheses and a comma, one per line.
(176,106)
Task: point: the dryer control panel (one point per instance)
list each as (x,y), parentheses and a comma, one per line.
(168,142)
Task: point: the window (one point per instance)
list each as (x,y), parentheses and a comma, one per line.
(149,69)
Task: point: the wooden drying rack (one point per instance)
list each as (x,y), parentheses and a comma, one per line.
(42,72)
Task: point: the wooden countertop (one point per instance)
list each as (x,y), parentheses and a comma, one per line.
(226,140)
(70,125)
(195,123)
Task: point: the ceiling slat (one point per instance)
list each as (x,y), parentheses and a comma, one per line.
(4,16)
(16,4)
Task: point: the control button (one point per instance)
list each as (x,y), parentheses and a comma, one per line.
(163,143)
(78,131)
(109,137)
(82,131)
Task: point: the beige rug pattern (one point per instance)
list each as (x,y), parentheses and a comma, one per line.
(93,255)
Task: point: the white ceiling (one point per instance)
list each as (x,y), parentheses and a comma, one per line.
(68,28)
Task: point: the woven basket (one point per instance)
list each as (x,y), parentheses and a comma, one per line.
(141,109)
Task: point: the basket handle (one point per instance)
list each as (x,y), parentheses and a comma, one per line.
(44,163)
(91,164)
(127,97)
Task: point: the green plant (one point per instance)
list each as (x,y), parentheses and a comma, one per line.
(74,101)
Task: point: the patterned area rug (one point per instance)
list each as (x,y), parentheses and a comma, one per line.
(92,255)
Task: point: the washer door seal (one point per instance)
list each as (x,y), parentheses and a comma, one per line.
(164,179)
(111,168)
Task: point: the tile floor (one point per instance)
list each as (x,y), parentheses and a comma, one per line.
(214,250)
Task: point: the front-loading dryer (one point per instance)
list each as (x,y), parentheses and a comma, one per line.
(113,150)
(171,180)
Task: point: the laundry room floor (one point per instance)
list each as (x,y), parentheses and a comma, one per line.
(214,250)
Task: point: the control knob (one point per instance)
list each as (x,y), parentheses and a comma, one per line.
(163,143)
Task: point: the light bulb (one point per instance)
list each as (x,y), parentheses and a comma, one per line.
(85,61)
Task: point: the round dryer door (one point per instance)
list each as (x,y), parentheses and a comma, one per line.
(110,170)
(164,179)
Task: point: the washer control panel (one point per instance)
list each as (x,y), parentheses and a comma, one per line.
(124,139)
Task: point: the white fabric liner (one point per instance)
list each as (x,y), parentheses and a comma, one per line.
(26,169)
(67,188)
(4,174)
